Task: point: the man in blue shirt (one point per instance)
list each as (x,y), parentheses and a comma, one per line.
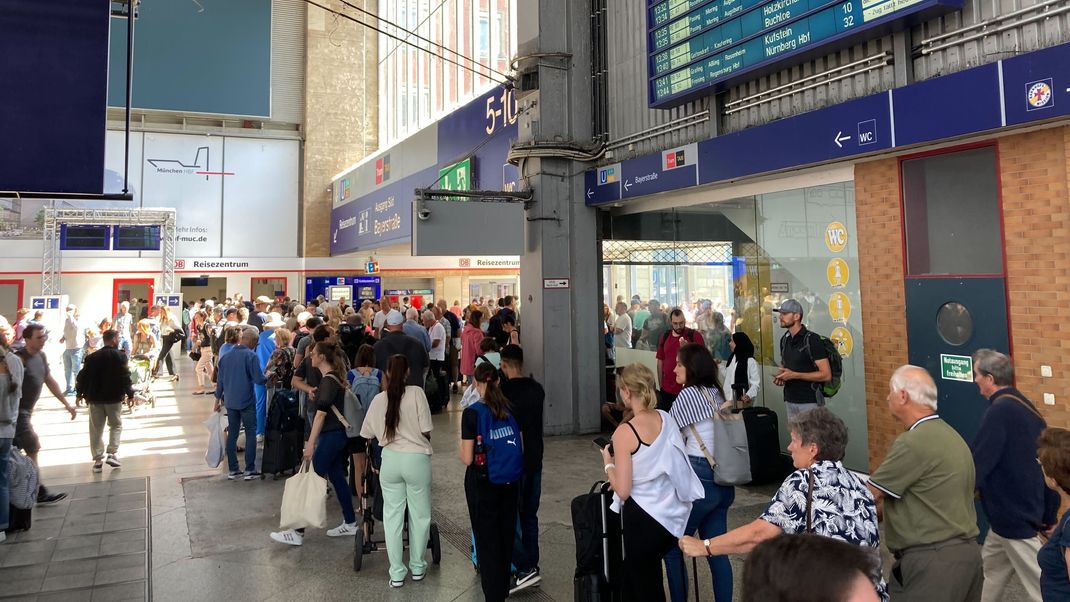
(1009,479)
(238,371)
(414,329)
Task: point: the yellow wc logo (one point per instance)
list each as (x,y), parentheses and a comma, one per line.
(836,237)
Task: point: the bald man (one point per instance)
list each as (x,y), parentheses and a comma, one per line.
(926,486)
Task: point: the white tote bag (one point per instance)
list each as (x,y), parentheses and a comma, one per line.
(304,500)
(216,440)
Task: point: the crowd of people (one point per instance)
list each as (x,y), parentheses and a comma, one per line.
(402,362)
(671,504)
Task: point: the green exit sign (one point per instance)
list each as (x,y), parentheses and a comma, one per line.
(456,177)
(956,367)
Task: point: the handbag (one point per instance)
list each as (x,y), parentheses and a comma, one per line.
(304,500)
(213,456)
(195,355)
(730,447)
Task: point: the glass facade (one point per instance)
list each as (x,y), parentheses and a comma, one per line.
(417,87)
(740,258)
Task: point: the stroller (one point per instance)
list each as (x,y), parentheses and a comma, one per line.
(140,367)
(371,504)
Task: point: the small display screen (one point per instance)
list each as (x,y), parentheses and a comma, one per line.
(137,238)
(83,238)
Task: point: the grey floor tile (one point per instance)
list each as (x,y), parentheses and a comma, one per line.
(78,595)
(67,581)
(78,541)
(119,592)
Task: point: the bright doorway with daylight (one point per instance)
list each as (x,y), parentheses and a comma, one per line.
(138,291)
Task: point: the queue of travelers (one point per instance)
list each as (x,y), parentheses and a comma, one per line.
(822,520)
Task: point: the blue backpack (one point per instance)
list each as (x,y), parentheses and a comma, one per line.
(365,387)
(501,437)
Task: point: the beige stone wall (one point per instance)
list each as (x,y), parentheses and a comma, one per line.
(341,111)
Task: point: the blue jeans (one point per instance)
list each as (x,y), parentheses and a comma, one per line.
(235,420)
(5,493)
(261,407)
(526,545)
(72,363)
(329,460)
(710,516)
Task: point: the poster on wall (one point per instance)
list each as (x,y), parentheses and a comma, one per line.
(262,184)
(186,172)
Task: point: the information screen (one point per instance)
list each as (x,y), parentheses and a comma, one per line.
(137,238)
(695,44)
(83,237)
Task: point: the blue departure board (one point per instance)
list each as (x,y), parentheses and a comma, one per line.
(696,44)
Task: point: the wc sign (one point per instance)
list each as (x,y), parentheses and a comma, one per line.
(836,237)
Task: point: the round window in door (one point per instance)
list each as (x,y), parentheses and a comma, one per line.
(954,323)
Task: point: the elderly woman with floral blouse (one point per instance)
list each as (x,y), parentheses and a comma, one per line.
(821,497)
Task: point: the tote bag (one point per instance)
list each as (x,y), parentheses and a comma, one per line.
(304,500)
(731,452)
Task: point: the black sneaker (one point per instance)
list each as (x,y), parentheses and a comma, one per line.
(47,499)
(525,579)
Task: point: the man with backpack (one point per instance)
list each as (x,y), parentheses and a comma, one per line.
(668,345)
(804,362)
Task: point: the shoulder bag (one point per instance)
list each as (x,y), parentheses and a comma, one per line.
(730,447)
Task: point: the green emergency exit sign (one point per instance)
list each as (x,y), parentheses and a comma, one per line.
(956,367)
(456,177)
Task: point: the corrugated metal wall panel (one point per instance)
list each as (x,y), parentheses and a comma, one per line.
(627,77)
(288,30)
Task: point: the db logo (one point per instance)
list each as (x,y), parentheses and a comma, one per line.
(180,264)
(836,237)
(465,262)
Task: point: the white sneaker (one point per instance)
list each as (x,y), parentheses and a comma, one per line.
(288,537)
(343,529)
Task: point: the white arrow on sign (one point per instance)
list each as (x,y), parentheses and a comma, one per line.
(627,184)
(590,193)
(840,138)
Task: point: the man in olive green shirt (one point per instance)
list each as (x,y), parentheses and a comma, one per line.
(926,487)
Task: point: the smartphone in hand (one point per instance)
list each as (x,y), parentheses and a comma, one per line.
(602,443)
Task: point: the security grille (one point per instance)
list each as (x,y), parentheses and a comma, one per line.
(655,252)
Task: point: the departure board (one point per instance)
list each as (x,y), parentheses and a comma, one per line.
(695,44)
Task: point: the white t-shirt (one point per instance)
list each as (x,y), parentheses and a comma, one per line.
(414,421)
(378,321)
(623,323)
(437,333)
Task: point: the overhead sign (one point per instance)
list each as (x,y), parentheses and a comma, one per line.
(956,367)
(372,267)
(1033,87)
(457,176)
(695,44)
(169,300)
(550,283)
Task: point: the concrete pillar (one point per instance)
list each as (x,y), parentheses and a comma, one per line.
(341,112)
(561,334)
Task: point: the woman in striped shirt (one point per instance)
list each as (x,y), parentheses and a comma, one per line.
(693,411)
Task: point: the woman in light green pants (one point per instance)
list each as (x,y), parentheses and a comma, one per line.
(400,419)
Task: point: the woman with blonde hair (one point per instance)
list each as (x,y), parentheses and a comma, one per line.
(171,332)
(145,346)
(653,484)
(333,315)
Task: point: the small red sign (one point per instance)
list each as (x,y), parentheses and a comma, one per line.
(180,264)
(465,262)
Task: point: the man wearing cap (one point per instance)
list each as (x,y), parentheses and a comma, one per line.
(258,317)
(394,342)
(264,348)
(804,365)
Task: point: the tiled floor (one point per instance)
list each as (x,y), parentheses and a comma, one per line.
(94,545)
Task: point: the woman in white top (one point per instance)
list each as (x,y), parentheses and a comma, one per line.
(693,410)
(653,484)
(741,376)
(400,419)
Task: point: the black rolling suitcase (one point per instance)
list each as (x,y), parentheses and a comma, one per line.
(19,519)
(284,436)
(599,546)
(767,463)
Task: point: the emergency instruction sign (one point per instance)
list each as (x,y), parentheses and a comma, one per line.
(956,367)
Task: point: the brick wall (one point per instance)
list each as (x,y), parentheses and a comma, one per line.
(1035,170)
(1035,178)
(880,266)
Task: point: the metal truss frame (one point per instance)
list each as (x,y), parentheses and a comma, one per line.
(52,260)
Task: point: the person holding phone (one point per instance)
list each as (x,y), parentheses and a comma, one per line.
(740,375)
(653,484)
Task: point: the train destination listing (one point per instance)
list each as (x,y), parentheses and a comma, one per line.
(726,37)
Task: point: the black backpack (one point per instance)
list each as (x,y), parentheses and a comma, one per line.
(831,387)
